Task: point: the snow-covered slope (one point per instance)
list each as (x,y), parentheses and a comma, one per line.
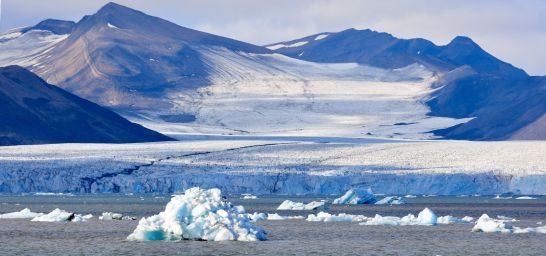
(281,167)
(178,80)
(271,94)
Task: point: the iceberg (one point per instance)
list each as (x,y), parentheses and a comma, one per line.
(56,215)
(453,220)
(289,205)
(248,197)
(342,217)
(199,214)
(357,196)
(487,224)
(392,200)
(425,217)
(111,216)
(275,216)
(257,216)
(525,198)
(23,214)
(82,218)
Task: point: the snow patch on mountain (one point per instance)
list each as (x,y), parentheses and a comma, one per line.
(25,49)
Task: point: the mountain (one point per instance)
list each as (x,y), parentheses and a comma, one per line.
(34,112)
(354,83)
(386,51)
(504,102)
(127,60)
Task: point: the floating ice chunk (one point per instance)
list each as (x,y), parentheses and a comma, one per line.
(357,196)
(289,205)
(453,220)
(257,216)
(489,225)
(111,216)
(56,215)
(249,196)
(427,217)
(540,230)
(199,214)
(81,218)
(499,197)
(410,196)
(392,200)
(525,198)
(23,214)
(275,216)
(468,219)
(342,217)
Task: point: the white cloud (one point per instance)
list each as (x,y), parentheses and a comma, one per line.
(511,30)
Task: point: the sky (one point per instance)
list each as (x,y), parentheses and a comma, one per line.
(512,30)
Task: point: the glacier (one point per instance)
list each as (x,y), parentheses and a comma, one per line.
(325,166)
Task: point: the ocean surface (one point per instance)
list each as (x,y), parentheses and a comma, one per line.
(289,237)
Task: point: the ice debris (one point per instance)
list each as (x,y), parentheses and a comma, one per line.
(59,215)
(23,214)
(342,217)
(275,216)
(289,205)
(199,214)
(392,200)
(357,196)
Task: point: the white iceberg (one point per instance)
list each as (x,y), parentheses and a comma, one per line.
(289,205)
(248,197)
(410,196)
(357,196)
(487,224)
(425,217)
(56,215)
(23,214)
(453,220)
(257,216)
(111,216)
(525,198)
(342,217)
(275,216)
(392,200)
(199,214)
(81,218)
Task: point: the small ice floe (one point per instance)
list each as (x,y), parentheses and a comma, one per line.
(356,196)
(425,217)
(410,196)
(525,198)
(59,215)
(342,217)
(115,216)
(248,197)
(199,214)
(23,214)
(501,197)
(275,216)
(52,194)
(448,219)
(256,216)
(289,205)
(392,200)
(487,224)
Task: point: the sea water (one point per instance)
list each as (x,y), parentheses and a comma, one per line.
(289,237)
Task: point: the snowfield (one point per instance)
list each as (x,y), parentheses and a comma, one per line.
(271,94)
(326,166)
